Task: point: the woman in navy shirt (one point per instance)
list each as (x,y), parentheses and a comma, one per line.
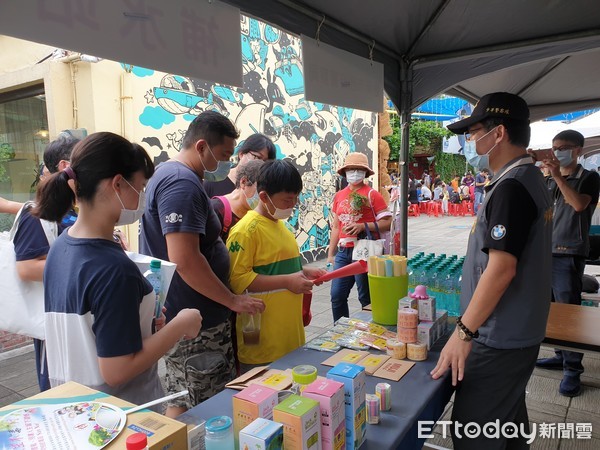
(99,307)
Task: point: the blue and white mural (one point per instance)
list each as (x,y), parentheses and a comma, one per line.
(314,136)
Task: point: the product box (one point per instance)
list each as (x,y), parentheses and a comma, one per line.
(427,333)
(427,309)
(253,402)
(301,419)
(408,302)
(196,431)
(262,434)
(442,322)
(353,378)
(162,431)
(330,395)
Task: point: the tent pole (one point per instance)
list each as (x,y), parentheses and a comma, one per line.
(405,102)
(403,163)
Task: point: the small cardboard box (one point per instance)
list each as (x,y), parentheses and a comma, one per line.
(330,395)
(262,434)
(196,431)
(408,302)
(253,402)
(353,378)
(301,419)
(427,333)
(427,309)
(162,432)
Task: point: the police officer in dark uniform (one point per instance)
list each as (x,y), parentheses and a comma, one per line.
(505,295)
(575,194)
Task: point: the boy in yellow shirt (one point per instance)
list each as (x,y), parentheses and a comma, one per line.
(265,261)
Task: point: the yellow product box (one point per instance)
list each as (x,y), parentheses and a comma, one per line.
(163,432)
(253,402)
(301,419)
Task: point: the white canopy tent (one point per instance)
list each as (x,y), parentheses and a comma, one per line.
(543,132)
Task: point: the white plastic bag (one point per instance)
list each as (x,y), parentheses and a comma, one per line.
(367,247)
(21,302)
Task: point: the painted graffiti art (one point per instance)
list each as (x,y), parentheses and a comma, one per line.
(316,137)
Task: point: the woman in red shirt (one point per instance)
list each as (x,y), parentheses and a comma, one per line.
(355,208)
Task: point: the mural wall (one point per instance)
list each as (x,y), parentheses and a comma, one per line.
(314,136)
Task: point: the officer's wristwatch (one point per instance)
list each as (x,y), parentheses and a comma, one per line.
(463,336)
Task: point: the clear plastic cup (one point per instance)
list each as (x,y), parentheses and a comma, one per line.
(251,328)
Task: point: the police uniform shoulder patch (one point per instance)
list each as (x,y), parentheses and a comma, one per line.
(498,232)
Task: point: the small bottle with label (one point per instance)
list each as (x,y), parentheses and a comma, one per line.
(137,441)
(154,276)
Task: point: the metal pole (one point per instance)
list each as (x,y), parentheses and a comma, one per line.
(405,101)
(403,164)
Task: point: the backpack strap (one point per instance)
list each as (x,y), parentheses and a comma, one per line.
(227,213)
(50,228)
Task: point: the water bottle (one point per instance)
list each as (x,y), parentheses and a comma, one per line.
(155,278)
(454,297)
(219,433)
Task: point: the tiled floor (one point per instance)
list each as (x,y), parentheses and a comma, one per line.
(439,235)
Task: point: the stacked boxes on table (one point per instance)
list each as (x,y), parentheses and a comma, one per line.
(353,378)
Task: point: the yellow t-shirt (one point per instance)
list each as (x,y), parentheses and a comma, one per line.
(258,245)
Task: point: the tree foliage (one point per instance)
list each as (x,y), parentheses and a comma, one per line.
(426,137)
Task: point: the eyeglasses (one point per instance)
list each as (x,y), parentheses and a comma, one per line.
(565,148)
(255,156)
(469,135)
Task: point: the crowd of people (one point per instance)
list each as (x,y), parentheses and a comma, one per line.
(467,188)
(236,254)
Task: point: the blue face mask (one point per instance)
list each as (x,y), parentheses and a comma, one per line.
(565,157)
(252,201)
(220,173)
(476,160)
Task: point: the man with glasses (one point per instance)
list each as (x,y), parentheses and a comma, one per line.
(505,295)
(575,194)
(256,146)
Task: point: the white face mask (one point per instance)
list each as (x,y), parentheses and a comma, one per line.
(129,216)
(279,214)
(355,176)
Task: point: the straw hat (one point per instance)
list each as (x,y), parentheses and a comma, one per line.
(357,161)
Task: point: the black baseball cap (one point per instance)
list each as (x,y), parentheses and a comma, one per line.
(503,105)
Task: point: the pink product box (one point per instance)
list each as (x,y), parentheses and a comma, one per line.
(253,402)
(330,395)
(427,309)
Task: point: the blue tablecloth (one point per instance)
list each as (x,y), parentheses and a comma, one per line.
(415,397)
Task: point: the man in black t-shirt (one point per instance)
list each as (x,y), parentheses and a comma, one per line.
(505,292)
(180,225)
(575,194)
(256,146)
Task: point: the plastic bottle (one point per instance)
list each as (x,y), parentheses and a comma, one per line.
(302,375)
(219,433)
(137,441)
(154,276)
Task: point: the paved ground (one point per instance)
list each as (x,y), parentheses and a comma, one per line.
(439,235)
